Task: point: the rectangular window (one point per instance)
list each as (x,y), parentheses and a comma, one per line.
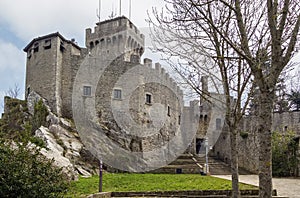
(47,44)
(87,90)
(179,119)
(148,98)
(218,124)
(36,47)
(62,46)
(118,94)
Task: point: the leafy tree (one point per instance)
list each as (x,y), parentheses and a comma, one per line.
(26,173)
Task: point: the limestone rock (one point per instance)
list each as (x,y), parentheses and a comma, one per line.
(83,172)
(65,148)
(56,151)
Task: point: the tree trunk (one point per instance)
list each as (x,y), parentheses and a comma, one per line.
(234,163)
(265,144)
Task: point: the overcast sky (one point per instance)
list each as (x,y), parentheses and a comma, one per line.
(21,21)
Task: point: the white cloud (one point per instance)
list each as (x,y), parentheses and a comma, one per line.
(32,18)
(10,57)
(12,67)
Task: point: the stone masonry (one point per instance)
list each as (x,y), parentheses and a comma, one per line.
(53,63)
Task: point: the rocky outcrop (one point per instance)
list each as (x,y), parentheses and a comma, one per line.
(63,144)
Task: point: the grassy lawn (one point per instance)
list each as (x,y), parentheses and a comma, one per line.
(149,182)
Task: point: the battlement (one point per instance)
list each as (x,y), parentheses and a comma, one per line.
(164,76)
(116,25)
(118,33)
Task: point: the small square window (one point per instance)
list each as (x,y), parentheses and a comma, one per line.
(36,47)
(47,44)
(118,94)
(87,90)
(148,98)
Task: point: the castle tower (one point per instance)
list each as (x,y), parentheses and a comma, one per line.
(50,64)
(118,35)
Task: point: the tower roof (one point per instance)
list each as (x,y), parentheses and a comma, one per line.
(56,34)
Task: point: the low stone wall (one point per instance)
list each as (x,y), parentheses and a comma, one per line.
(187,193)
(100,195)
(190,193)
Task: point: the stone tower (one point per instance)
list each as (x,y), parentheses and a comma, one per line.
(51,65)
(117,35)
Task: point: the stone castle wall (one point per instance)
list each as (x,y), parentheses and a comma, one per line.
(287,121)
(163,91)
(71,63)
(248,145)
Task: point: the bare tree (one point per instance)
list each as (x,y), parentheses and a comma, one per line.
(245,38)
(194,49)
(13,92)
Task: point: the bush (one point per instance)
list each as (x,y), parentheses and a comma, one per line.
(26,173)
(284,154)
(39,117)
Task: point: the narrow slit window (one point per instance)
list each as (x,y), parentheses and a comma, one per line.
(218,124)
(169,111)
(87,90)
(62,46)
(28,91)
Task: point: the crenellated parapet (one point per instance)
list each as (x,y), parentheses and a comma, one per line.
(118,35)
(164,77)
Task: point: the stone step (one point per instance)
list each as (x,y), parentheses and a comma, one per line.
(188,163)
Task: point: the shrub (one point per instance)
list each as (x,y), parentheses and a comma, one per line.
(284,154)
(39,117)
(244,134)
(26,173)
